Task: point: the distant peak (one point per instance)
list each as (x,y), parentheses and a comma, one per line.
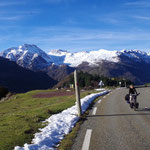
(57,50)
(133,51)
(20,47)
(28,46)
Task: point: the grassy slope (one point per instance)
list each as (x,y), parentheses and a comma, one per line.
(21,116)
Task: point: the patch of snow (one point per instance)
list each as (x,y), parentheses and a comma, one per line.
(58,126)
(58,52)
(58,60)
(22,56)
(101,89)
(20,48)
(34,56)
(68,90)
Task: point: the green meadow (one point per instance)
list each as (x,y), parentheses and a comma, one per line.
(21,116)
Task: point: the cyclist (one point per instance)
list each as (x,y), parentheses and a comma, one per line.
(132,94)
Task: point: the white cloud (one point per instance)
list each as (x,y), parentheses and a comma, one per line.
(54,1)
(74,38)
(10,3)
(142,17)
(19,12)
(109,20)
(10,18)
(138,3)
(58,1)
(17,15)
(9,12)
(78,35)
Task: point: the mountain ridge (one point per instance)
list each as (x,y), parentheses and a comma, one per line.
(92,57)
(28,54)
(59,63)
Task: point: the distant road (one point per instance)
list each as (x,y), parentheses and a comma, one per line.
(113,125)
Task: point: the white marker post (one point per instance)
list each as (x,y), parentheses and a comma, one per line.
(77,94)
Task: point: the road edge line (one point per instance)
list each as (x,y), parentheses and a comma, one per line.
(94,111)
(99,101)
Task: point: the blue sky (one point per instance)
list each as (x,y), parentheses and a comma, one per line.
(75,25)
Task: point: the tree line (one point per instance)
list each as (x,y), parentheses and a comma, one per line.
(89,80)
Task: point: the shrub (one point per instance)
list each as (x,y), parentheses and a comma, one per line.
(3,92)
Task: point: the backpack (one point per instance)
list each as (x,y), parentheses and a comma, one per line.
(127,97)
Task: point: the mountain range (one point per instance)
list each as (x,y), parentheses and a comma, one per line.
(130,64)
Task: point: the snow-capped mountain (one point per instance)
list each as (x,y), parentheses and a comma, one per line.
(28,56)
(95,57)
(130,64)
(32,57)
(58,52)
(135,55)
(75,59)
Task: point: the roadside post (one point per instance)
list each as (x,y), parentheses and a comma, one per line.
(77,93)
(125,84)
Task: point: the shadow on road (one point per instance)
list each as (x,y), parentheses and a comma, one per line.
(120,115)
(141,86)
(144,109)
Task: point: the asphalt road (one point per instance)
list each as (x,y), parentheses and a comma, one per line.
(113,125)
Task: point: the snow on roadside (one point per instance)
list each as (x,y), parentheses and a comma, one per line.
(58,126)
(100,89)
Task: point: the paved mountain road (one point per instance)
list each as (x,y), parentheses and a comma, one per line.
(112,125)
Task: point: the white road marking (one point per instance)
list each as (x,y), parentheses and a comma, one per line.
(87,138)
(99,101)
(94,111)
(104,97)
